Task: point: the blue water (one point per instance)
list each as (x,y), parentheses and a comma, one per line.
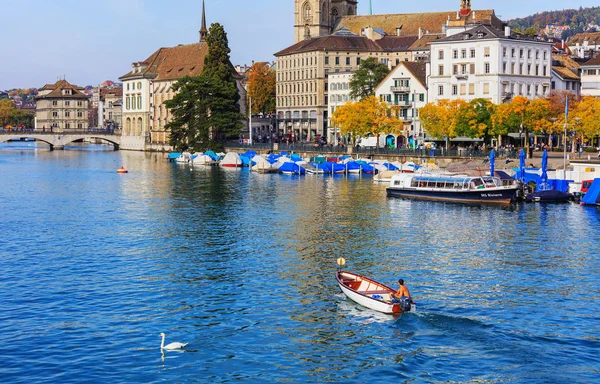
(94,265)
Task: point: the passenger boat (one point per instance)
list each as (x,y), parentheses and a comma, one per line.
(367,292)
(452,188)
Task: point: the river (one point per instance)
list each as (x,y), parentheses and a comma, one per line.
(94,265)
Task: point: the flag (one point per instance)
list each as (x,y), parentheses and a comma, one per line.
(566,107)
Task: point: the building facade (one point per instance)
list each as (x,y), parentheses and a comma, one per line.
(338,85)
(303,70)
(61,107)
(405,88)
(585,45)
(485,62)
(565,74)
(590,78)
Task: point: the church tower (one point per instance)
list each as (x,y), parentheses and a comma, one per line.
(313,18)
(465,8)
(203,30)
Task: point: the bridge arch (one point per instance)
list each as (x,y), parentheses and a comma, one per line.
(5,138)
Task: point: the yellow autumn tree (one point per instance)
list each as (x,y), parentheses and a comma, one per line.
(370,116)
(440,119)
(261,88)
(588,111)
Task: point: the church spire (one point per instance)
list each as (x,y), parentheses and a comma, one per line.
(203,30)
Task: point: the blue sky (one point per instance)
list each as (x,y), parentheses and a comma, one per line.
(90,41)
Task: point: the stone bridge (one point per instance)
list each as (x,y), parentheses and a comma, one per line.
(58,140)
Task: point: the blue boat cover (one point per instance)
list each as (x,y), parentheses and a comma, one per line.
(352,165)
(367,168)
(212,155)
(173,155)
(330,165)
(292,167)
(246,160)
(592,197)
(294,157)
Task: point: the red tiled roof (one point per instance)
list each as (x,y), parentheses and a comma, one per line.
(173,63)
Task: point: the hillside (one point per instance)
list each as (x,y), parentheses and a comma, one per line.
(579,20)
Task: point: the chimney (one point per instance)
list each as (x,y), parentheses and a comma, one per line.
(399,30)
(420,32)
(474,15)
(368,32)
(507,31)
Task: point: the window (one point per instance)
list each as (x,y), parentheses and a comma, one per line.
(454,90)
(486,52)
(127,103)
(79,114)
(486,88)
(54,114)
(463,89)
(67,103)
(80,103)
(521,53)
(503,67)
(440,90)
(139,99)
(553,85)
(441,54)
(139,85)
(441,70)
(422,97)
(79,126)
(472,53)
(504,52)
(337,60)
(463,69)
(326,60)
(512,52)
(471,89)
(68,114)
(348,60)
(472,68)
(455,54)
(54,103)
(487,68)
(67,125)
(463,53)
(455,69)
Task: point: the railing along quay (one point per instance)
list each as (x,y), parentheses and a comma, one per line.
(90,131)
(370,152)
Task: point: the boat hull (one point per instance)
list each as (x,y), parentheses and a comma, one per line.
(365,298)
(478,196)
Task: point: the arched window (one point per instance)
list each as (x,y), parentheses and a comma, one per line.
(139,102)
(324,13)
(127,127)
(350,11)
(307,12)
(334,16)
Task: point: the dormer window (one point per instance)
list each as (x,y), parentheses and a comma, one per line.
(480,35)
(67,92)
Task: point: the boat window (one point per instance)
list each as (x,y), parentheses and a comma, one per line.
(440,184)
(431,184)
(414,183)
(466,185)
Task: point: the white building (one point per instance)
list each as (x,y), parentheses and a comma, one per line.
(406,88)
(485,62)
(565,74)
(585,44)
(339,94)
(590,78)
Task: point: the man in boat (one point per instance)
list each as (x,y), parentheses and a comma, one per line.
(402,296)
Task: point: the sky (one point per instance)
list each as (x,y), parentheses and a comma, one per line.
(90,41)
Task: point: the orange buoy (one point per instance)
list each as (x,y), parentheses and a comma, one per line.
(122,170)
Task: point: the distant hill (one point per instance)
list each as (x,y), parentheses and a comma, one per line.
(579,20)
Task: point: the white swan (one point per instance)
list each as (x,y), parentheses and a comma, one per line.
(171,346)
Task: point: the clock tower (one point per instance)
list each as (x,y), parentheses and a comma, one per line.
(313,18)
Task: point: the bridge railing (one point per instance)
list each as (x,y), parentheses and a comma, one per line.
(39,131)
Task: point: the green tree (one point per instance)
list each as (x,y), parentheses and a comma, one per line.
(368,75)
(224,108)
(475,119)
(7,108)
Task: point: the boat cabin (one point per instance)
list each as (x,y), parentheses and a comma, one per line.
(447,182)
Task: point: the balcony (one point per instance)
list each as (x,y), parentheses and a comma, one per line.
(402,89)
(461,76)
(401,103)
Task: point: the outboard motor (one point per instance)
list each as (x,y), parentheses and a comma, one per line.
(405,304)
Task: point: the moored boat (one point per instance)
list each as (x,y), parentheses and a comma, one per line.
(368,292)
(452,188)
